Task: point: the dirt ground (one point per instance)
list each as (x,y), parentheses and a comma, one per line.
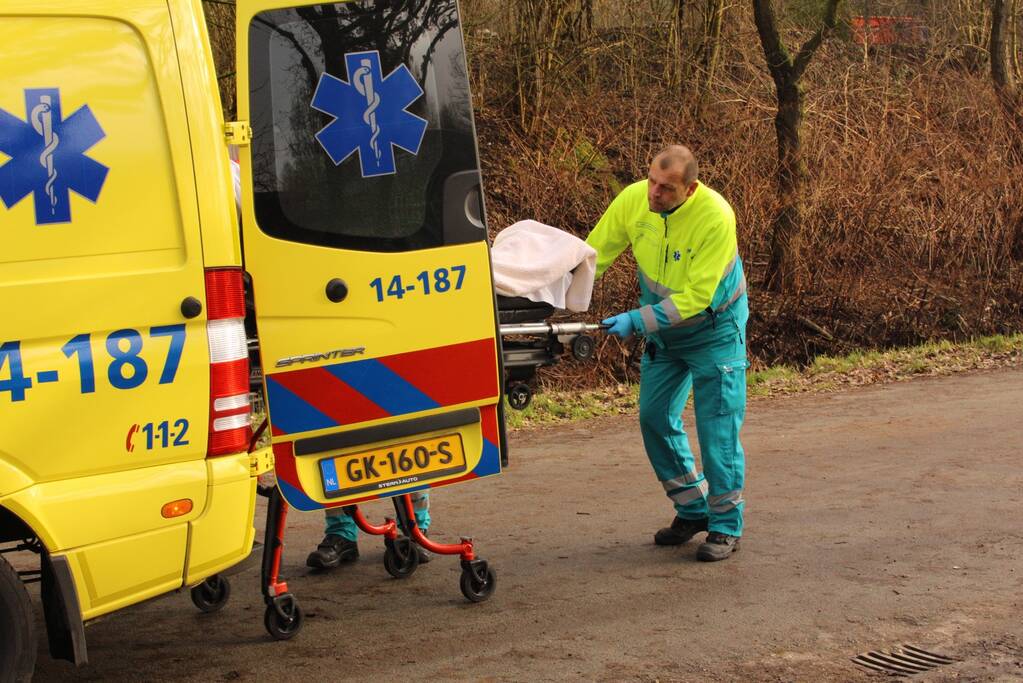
(876,517)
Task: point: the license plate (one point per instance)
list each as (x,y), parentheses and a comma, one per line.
(387,467)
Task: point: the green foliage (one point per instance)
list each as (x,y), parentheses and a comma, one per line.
(590,161)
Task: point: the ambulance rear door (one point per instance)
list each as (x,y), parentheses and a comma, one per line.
(364,237)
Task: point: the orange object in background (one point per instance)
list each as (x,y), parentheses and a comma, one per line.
(889,31)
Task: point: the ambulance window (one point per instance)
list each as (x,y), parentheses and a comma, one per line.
(361,116)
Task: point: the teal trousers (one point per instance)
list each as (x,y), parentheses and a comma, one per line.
(344,526)
(710,363)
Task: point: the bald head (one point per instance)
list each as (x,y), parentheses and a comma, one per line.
(678,157)
(672,178)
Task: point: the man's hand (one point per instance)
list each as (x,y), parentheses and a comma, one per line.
(620,325)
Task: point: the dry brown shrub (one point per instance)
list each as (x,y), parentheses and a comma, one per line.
(913,223)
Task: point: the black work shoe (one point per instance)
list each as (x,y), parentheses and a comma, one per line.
(332,551)
(717,547)
(680,531)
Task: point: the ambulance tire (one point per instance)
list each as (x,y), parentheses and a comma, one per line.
(212,594)
(401,559)
(284,628)
(478,586)
(519,396)
(17,627)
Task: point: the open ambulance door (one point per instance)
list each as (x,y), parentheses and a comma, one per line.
(364,237)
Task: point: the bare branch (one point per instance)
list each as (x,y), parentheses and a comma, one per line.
(779,63)
(811,45)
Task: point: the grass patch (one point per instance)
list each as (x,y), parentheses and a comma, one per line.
(824,374)
(565,406)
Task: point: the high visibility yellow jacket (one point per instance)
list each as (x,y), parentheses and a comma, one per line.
(689,265)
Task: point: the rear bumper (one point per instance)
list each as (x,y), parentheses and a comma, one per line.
(223,535)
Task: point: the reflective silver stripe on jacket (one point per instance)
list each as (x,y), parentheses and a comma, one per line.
(660,290)
(685,479)
(725,502)
(731,266)
(689,495)
(672,313)
(654,287)
(739,291)
(646,313)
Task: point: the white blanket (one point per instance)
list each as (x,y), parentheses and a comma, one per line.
(542,263)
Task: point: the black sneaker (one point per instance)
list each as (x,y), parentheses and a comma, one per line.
(332,551)
(680,531)
(717,547)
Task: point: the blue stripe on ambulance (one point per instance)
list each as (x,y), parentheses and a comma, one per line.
(290,413)
(383,386)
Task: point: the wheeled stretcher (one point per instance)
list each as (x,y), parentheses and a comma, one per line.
(283,617)
(530,341)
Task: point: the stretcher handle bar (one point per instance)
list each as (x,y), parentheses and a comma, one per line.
(549,328)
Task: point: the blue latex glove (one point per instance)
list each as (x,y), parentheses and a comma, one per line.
(620,325)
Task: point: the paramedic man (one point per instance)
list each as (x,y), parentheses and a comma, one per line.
(692,312)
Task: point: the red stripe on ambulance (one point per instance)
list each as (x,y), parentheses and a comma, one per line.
(450,374)
(330,396)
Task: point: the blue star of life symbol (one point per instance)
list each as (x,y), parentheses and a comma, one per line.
(47,156)
(677,255)
(369,114)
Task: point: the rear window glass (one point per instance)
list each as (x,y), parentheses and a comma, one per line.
(360,114)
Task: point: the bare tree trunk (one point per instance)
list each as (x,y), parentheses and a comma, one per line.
(712,40)
(1005,78)
(783,268)
(1014,41)
(674,69)
(542,30)
(787,235)
(1003,74)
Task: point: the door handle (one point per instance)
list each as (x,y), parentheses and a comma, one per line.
(337,290)
(190,307)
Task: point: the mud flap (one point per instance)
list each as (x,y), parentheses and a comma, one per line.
(64,628)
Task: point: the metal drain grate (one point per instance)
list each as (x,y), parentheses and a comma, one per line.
(902,661)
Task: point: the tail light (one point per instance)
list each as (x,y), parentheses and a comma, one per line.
(230,426)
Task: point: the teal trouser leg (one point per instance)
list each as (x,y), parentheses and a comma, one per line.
(421,506)
(340,524)
(344,526)
(663,390)
(712,363)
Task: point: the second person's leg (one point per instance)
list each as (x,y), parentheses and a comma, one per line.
(339,544)
(664,387)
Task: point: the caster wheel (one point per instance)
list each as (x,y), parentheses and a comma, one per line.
(583,347)
(211,594)
(401,558)
(283,620)
(478,583)
(519,396)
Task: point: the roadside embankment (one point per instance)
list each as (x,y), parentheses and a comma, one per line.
(823,375)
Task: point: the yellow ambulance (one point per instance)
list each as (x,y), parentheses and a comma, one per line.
(125,459)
